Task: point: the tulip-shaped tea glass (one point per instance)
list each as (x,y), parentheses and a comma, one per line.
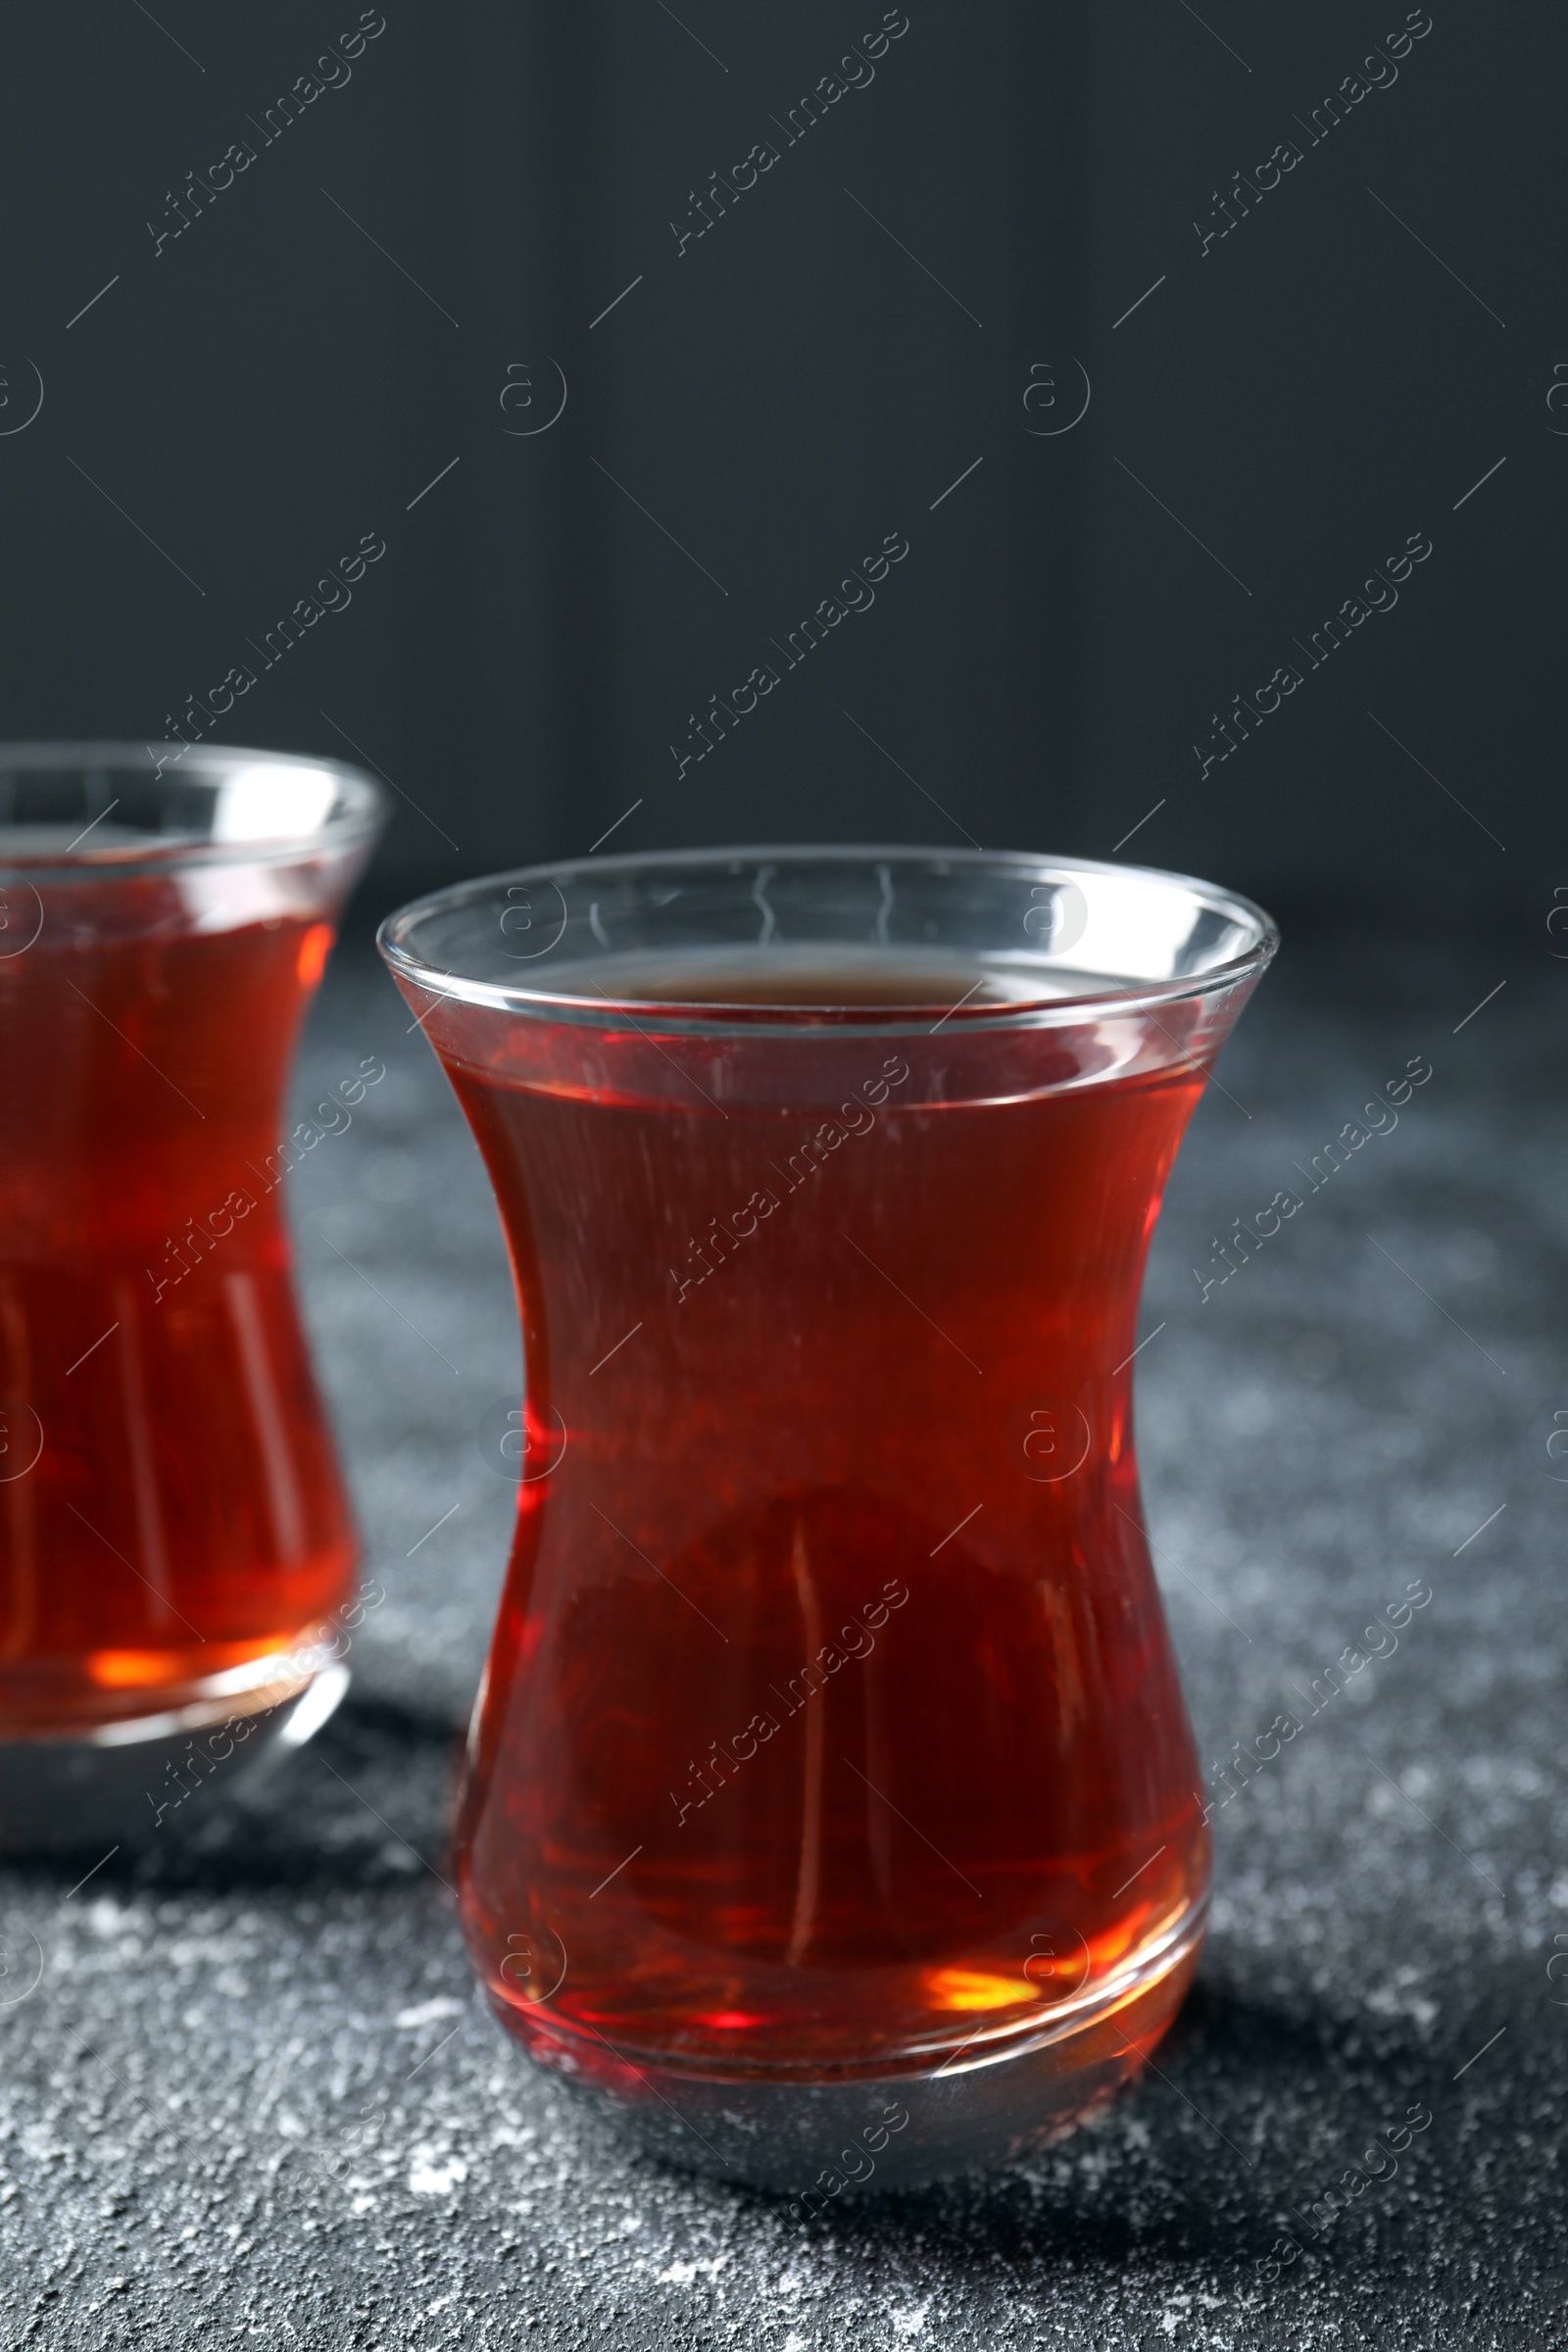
(172,1527)
(831,1809)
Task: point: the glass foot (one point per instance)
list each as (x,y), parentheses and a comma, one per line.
(818,2141)
(61,1793)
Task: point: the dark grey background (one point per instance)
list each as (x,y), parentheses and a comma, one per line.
(1303,396)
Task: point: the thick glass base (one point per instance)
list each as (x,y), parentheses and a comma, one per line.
(63,1792)
(983,2105)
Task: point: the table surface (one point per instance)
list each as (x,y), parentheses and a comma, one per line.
(281,1980)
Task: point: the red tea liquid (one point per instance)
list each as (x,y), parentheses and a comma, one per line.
(831,1718)
(183,1515)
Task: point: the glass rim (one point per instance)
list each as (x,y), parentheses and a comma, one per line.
(359,810)
(533,998)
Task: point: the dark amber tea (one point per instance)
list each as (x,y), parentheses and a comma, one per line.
(185,1514)
(172,1524)
(831,1734)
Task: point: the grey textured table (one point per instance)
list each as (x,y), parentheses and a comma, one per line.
(252,2094)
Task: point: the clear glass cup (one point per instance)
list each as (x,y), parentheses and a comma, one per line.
(174,1530)
(831,1810)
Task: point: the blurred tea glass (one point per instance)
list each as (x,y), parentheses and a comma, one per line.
(174,1530)
(831,1810)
